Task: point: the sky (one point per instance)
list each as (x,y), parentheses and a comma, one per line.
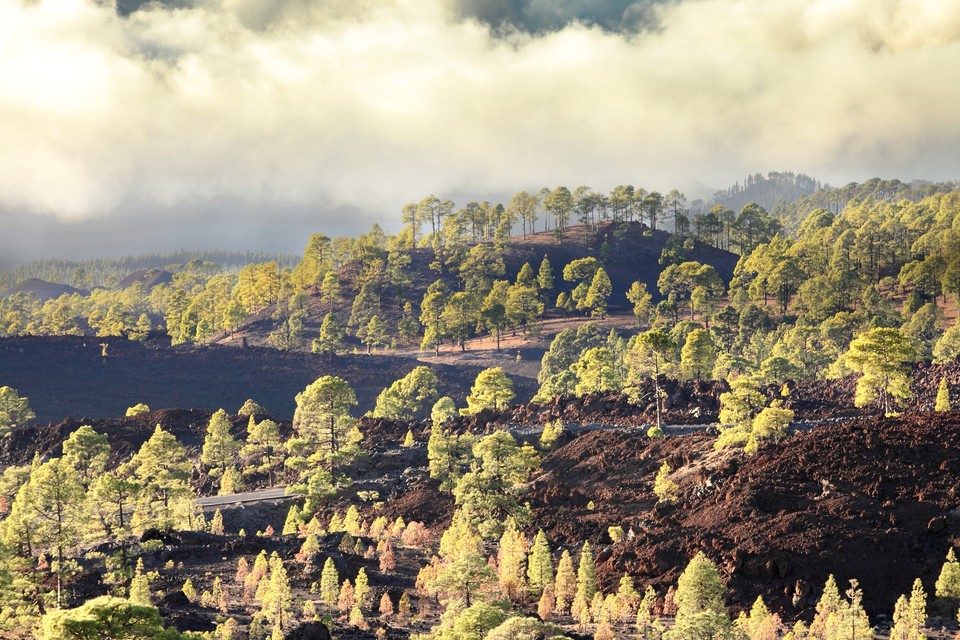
(249,124)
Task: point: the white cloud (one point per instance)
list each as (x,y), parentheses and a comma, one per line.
(377,103)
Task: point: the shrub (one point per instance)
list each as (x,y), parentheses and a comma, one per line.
(137,409)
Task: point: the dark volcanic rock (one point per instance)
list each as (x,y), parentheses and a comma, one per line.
(310,631)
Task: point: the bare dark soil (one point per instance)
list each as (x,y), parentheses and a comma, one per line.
(67,376)
(873,499)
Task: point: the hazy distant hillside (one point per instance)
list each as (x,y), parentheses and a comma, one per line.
(98,270)
(767,191)
(834,199)
(42,289)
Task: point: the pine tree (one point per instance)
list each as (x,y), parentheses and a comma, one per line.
(346,599)
(882,357)
(663,487)
(526,276)
(188,590)
(277,600)
(387,557)
(586,574)
(948,583)
(512,559)
(627,599)
(443,411)
(698,354)
(329,583)
(540,565)
(330,289)
(760,624)
(216,524)
(386,605)
(251,408)
(351,520)
(464,579)
(375,334)
(140,585)
(491,390)
(291,526)
(408,440)
(356,618)
(829,605)
(231,482)
(604,631)
(648,627)
(365,306)
(596,607)
(219,595)
(54,500)
(910,615)
(322,418)
(87,452)
(309,549)
(262,449)
(943,396)
(219,446)
(699,599)
(14,410)
(362,589)
(546,603)
(545,279)
(851,622)
(566,583)
(598,293)
(162,466)
(243,570)
(331,337)
(641,300)
(404,608)
(580,611)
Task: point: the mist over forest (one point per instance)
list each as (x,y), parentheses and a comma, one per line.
(231,120)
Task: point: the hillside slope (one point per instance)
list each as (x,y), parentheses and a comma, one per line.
(872,499)
(42,289)
(68,376)
(632,253)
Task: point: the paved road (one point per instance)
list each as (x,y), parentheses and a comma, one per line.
(276,493)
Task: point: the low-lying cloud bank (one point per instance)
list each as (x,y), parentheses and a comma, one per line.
(375,102)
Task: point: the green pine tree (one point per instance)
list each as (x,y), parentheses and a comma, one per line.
(140,585)
(698,354)
(663,487)
(700,601)
(948,584)
(219,446)
(586,575)
(943,396)
(331,337)
(540,565)
(329,584)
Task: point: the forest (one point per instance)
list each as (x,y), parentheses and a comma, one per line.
(425,517)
